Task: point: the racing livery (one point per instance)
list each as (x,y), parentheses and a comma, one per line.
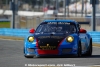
(58,37)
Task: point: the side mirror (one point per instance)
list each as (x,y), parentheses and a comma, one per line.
(32,31)
(82,31)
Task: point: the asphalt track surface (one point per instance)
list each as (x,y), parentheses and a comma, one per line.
(11,55)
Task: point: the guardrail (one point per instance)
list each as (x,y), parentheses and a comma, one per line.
(24,32)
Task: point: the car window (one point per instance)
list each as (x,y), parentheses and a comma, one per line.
(56,27)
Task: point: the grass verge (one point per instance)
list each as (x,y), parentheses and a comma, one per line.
(4,24)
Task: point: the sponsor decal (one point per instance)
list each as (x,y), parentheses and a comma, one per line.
(58,23)
(47,47)
(55,37)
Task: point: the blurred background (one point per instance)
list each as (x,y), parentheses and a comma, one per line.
(29,13)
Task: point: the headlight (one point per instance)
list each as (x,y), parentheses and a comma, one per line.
(69,39)
(30,39)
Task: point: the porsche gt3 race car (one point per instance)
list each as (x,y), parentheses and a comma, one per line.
(58,37)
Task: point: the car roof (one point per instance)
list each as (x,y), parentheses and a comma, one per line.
(67,21)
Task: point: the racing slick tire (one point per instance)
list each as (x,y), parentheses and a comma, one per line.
(36,56)
(28,56)
(79,53)
(89,52)
(31,56)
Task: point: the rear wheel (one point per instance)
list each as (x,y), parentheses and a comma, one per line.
(89,52)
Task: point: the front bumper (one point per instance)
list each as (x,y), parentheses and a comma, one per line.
(39,52)
(63,49)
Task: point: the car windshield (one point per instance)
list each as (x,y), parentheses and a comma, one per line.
(57,27)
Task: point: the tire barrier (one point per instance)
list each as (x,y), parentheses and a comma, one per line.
(14,32)
(95,36)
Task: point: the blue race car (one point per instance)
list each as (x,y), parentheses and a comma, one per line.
(58,37)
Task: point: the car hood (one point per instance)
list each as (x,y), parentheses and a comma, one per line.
(58,36)
(51,39)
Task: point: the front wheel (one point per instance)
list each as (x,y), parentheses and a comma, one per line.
(28,56)
(35,56)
